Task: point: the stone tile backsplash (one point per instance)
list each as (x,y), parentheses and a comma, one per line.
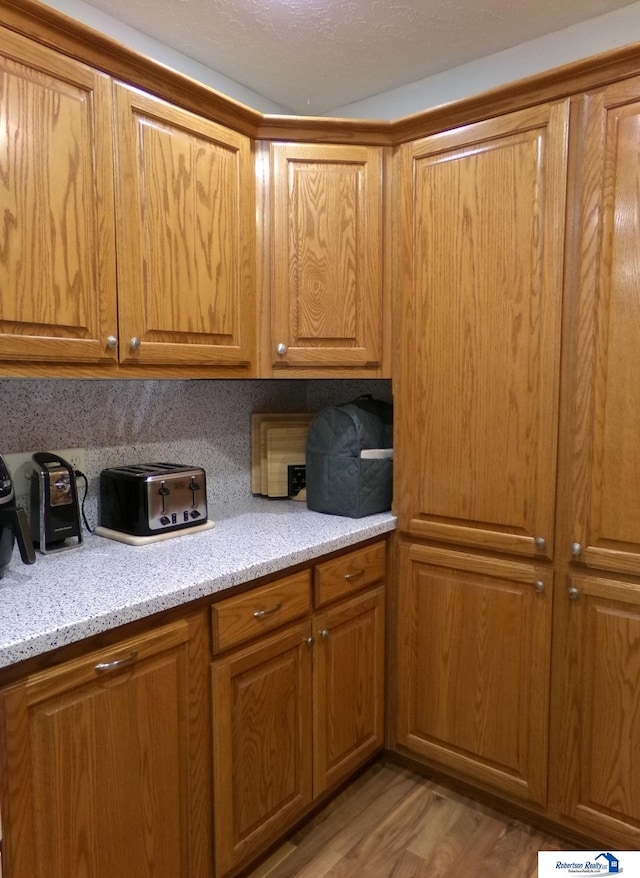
(204,423)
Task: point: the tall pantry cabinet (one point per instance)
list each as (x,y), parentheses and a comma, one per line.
(596,714)
(518,613)
(477,397)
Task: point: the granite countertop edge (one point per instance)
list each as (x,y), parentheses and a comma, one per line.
(68,596)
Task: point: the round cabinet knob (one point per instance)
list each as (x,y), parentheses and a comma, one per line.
(310,641)
(282,349)
(135,343)
(574,593)
(576,549)
(324,633)
(540,587)
(112,341)
(541,543)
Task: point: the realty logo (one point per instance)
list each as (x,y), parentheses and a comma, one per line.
(574,863)
(614,863)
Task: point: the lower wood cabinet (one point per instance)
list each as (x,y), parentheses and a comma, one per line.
(101,776)
(262,743)
(473,652)
(299,709)
(348,687)
(595,773)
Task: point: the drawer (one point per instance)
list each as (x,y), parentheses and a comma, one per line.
(239,619)
(349,573)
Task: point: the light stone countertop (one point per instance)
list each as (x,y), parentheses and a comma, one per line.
(68,596)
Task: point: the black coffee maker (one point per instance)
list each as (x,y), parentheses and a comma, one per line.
(13,523)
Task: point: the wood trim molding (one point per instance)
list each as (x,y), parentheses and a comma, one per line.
(555,84)
(72,38)
(66,35)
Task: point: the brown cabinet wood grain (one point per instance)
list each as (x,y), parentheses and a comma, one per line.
(262,742)
(474,650)
(481,264)
(295,713)
(349,681)
(186,237)
(325,287)
(57,262)
(99,773)
(603,401)
(594,771)
(596,774)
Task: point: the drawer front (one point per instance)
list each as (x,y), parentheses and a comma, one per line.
(349,573)
(240,619)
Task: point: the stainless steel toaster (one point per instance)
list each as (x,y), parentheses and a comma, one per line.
(149,498)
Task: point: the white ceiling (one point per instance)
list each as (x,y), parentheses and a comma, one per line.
(311,56)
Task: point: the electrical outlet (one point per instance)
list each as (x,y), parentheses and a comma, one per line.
(21,466)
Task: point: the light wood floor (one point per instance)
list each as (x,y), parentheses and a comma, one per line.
(394,824)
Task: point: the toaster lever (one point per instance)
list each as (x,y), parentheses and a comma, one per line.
(194,487)
(163,491)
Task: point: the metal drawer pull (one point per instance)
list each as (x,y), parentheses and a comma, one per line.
(105,667)
(540,587)
(574,593)
(324,633)
(260,614)
(354,575)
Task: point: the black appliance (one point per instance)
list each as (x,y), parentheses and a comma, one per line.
(55,511)
(151,498)
(13,523)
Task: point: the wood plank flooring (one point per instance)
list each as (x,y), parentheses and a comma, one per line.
(394,824)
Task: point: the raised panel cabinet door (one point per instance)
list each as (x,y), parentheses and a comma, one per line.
(604,399)
(57,250)
(482,293)
(96,764)
(595,708)
(348,687)
(473,641)
(262,744)
(327,256)
(186,232)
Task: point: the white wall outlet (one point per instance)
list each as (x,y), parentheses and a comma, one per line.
(21,466)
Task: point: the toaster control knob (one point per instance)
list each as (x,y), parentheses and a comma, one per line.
(165,519)
(194,513)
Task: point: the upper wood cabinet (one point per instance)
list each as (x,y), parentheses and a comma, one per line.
(57,250)
(185,199)
(481,274)
(603,402)
(324,299)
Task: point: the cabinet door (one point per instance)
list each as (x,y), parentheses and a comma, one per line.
(597,775)
(96,764)
(57,258)
(604,417)
(482,291)
(474,657)
(262,745)
(327,256)
(348,687)
(186,234)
